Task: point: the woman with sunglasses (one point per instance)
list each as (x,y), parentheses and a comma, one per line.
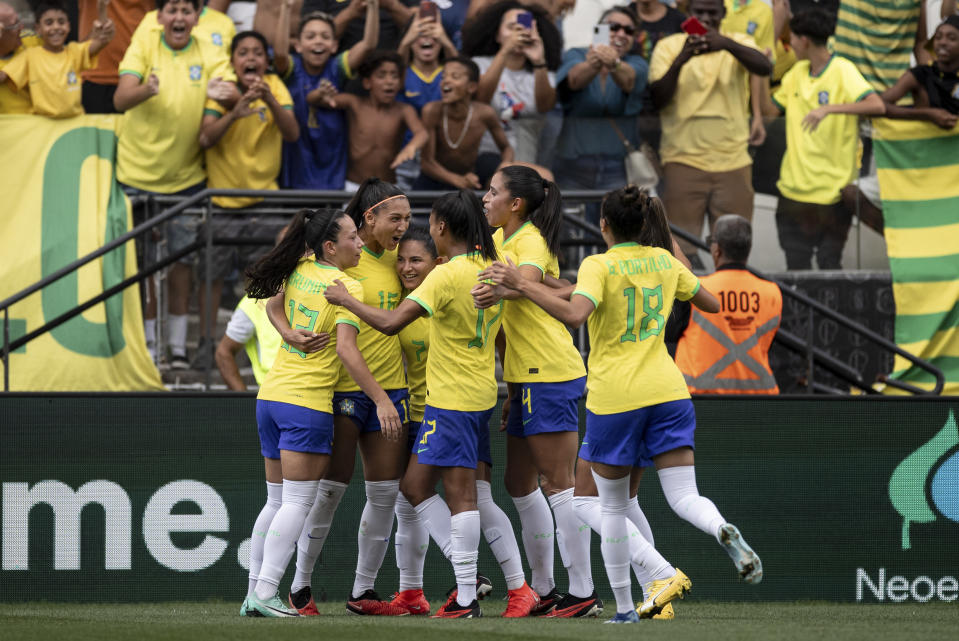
(601,88)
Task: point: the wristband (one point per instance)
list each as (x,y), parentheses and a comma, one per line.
(540,66)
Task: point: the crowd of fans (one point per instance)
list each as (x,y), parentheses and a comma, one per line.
(321,94)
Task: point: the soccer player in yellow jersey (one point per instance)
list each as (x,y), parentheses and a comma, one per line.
(822,97)
(638,406)
(545,379)
(461,386)
(52,70)
(294,407)
(382,214)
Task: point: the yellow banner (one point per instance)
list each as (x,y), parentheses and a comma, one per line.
(61,201)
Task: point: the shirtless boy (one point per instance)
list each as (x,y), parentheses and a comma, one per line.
(377,122)
(456,125)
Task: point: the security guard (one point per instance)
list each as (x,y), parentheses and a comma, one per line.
(728,352)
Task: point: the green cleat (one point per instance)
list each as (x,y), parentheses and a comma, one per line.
(662,592)
(273,607)
(747,562)
(245,607)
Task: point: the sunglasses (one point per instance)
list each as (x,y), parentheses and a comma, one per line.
(615,26)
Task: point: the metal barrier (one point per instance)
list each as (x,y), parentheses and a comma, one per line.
(585,239)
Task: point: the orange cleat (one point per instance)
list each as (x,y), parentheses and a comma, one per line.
(522,600)
(413,600)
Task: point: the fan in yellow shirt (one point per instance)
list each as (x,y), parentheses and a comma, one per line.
(461,385)
(546,378)
(212,26)
(13,40)
(52,70)
(822,97)
(638,408)
(294,407)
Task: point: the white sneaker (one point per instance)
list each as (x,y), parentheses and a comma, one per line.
(747,563)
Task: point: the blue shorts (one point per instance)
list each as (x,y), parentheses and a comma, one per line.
(545,407)
(283,426)
(448,438)
(361,408)
(634,438)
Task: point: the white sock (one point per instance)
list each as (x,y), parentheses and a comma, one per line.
(410,543)
(679,486)
(435,516)
(572,538)
(500,536)
(464,541)
(373,537)
(274,499)
(287,524)
(614,503)
(537,523)
(638,518)
(177,339)
(315,530)
(588,510)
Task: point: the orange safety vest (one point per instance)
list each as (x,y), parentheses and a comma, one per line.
(728,352)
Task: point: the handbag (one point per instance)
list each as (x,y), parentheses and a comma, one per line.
(641,170)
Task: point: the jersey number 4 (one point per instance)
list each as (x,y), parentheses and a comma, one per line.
(652,322)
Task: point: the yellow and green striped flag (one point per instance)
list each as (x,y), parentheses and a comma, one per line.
(918,166)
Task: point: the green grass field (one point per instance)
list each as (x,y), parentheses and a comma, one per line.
(695,621)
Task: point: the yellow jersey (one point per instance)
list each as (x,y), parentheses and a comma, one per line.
(461,369)
(157,148)
(706,124)
(753,18)
(818,164)
(376,273)
(415,341)
(539,348)
(262,347)
(632,287)
(302,379)
(248,154)
(54,78)
(212,26)
(11,100)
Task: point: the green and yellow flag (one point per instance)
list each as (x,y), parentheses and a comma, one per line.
(918,167)
(61,201)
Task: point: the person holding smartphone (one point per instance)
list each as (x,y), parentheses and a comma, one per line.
(699,81)
(601,88)
(517,48)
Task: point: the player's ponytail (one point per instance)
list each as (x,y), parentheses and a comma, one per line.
(656,228)
(309,229)
(463,213)
(372,193)
(542,200)
(633,215)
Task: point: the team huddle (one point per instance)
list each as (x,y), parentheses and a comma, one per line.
(356,294)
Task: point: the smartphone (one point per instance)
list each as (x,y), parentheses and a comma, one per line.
(525,19)
(428,9)
(693,27)
(601,34)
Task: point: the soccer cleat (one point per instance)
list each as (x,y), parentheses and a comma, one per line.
(244,608)
(522,600)
(624,617)
(546,604)
(574,607)
(666,614)
(483,587)
(272,607)
(662,592)
(747,563)
(413,600)
(302,601)
(369,603)
(453,610)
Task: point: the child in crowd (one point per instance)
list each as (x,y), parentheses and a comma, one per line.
(162,90)
(935,87)
(243,150)
(53,70)
(456,124)
(318,159)
(377,122)
(213,26)
(822,97)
